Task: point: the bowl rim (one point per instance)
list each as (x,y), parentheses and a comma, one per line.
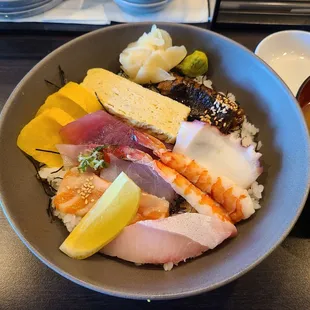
(115,292)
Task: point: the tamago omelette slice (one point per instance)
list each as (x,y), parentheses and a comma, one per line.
(107,218)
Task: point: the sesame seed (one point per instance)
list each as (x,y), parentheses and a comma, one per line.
(79,192)
(68,187)
(91,178)
(86,201)
(87,180)
(92,200)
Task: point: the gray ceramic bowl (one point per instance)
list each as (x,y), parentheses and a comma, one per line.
(267,102)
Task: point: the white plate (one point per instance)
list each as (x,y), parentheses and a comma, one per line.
(288,53)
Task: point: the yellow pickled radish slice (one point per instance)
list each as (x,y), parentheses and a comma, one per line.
(57,100)
(113,211)
(80,95)
(42,132)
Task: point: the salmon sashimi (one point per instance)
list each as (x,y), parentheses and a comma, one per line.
(170,240)
(235,199)
(78,193)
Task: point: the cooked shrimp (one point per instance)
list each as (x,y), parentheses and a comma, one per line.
(78,193)
(234,199)
(200,201)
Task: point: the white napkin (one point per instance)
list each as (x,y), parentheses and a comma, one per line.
(102,12)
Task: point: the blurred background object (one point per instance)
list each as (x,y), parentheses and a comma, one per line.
(25,8)
(288,53)
(141,7)
(263,13)
(103,12)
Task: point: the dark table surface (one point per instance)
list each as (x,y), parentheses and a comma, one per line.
(282,281)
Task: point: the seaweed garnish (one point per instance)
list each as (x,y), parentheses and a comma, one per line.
(175,206)
(48,151)
(49,190)
(49,210)
(51,83)
(57,170)
(63,78)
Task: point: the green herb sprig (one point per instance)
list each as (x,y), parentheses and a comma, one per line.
(93,159)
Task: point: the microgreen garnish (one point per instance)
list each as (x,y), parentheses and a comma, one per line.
(93,158)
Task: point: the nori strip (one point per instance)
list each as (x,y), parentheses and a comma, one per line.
(48,151)
(51,83)
(63,78)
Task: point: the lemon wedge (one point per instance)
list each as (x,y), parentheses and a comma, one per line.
(106,219)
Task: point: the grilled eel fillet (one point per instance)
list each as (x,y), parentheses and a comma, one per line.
(206,104)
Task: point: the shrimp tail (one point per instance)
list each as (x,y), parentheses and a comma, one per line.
(148,141)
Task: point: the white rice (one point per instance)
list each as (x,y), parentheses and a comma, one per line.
(248,133)
(203,79)
(255,192)
(69,220)
(54,178)
(168,266)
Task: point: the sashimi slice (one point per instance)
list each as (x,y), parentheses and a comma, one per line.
(221,155)
(173,239)
(71,152)
(144,176)
(78,193)
(98,128)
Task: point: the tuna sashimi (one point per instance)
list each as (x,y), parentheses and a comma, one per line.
(173,239)
(98,128)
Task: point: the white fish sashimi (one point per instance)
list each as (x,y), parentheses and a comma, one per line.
(222,155)
(173,239)
(70,153)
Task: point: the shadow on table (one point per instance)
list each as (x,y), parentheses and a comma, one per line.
(216,299)
(302,227)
